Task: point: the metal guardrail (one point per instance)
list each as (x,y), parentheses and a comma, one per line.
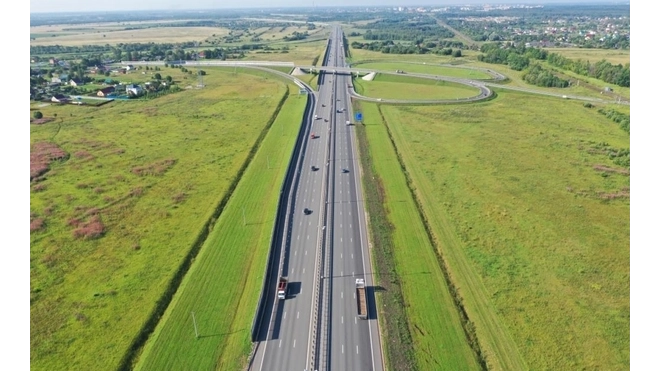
(316,338)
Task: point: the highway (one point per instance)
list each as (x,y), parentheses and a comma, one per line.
(316,327)
(349,343)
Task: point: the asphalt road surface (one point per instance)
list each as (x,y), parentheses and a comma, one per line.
(352,343)
(316,327)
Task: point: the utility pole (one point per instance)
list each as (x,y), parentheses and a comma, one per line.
(195,324)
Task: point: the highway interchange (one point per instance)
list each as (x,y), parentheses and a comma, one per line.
(322,253)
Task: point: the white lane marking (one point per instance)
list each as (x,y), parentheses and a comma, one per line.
(350,226)
(342,319)
(357,351)
(280,343)
(295,252)
(294,343)
(342,294)
(298,237)
(356,320)
(341,239)
(353,274)
(342,349)
(308,237)
(352,256)
(341,255)
(285,315)
(351,239)
(298,315)
(305,252)
(293,270)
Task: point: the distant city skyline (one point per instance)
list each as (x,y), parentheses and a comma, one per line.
(49,6)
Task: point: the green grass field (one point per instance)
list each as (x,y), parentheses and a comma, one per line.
(223,287)
(300,52)
(363,55)
(411,88)
(154,172)
(433,69)
(439,342)
(531,214)
(614,56)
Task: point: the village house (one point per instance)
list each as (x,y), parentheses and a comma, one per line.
(134,90)
(106,91)
(59,98)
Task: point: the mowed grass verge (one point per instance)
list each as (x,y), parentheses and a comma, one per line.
(154,173)
(412,88)
(223,286)
(422,67)
(531,213)
(438,339)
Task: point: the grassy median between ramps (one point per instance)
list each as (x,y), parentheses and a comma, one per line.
(114,220)
(413,88)
(223,285)
(422,67)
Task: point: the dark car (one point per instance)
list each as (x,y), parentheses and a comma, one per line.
(344,170)
(307,211)
(314,168)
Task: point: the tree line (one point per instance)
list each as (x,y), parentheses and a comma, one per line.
(519,58)
(441,47)
(602,70)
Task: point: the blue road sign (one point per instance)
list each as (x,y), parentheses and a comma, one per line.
(358,116)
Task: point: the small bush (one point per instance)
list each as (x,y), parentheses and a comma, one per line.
(37,115)
(37,225)
(179,198)
(93,229)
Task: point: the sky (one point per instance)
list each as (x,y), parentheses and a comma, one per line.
(47,6)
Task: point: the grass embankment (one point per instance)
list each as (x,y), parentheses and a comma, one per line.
(223,287)
(412,88)
(421,325)
(154,173)
(431,69)
(531,212)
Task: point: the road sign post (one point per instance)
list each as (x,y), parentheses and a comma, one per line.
(358,116)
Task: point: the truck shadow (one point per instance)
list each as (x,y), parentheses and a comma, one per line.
(295,288)
(277,321)
(372,313)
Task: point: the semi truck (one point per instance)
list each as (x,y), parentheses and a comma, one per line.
(281,287)
(361,295)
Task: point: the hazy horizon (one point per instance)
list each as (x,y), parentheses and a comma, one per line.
(75,6)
